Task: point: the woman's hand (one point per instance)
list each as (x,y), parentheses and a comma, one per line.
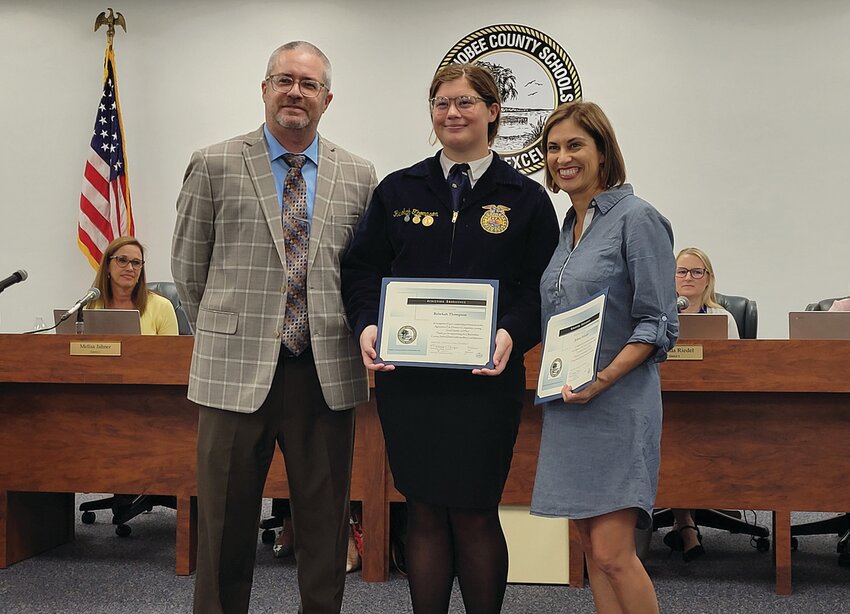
(580,398)
(629,357)
(504,345)
(368,338)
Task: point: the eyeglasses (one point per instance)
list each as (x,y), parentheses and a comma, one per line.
(441,104)
(123,261)
(696,273)
(310,88)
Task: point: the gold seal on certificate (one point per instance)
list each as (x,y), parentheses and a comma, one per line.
(438,322)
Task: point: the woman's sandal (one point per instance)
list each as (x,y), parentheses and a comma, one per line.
(695,552)
(674,541)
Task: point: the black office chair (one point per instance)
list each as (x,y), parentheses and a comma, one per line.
(169,290)
(126,507)
(745,312)
(837,525)
(825,304)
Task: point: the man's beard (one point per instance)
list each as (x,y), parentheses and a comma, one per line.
(292,123)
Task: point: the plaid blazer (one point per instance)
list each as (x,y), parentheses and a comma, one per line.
(228,262)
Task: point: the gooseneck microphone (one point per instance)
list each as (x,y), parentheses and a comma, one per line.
(682,303)
(92,295)
(16,277)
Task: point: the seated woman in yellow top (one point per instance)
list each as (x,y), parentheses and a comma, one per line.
(122,284)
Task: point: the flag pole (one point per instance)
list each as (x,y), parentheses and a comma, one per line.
(105,211)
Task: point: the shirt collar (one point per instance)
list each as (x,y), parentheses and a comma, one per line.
(276,150)
(606,200)
(476,167)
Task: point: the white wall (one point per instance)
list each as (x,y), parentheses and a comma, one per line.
(733,118)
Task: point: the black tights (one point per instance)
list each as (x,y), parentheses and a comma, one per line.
(441,540)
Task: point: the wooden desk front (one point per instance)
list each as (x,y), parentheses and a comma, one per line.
(758,424)
(755,424)
(121,424)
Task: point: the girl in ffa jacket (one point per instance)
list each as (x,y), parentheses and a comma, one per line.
(450,433)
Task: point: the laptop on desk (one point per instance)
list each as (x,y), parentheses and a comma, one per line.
(819,325)
(703,326)
(101,322)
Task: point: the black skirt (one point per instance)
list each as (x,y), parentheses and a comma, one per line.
(450,434)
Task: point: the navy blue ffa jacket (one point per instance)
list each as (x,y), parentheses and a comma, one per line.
(506,229)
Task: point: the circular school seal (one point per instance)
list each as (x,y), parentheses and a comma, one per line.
(555,367)
(534,75)
(406,335)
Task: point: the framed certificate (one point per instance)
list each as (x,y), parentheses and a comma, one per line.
(437,322)
(570,352)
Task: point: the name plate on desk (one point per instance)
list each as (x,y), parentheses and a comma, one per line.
(95,348)
(685,352)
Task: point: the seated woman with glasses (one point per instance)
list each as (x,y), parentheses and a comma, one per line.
(122,284)
(694,281)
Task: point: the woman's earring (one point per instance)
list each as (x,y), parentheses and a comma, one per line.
(432,138)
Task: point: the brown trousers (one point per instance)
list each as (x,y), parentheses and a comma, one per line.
(234,454)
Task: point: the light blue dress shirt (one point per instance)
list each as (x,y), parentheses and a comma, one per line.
(280,168)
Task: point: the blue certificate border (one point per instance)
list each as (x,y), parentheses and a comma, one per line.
(540,400)
(387,280)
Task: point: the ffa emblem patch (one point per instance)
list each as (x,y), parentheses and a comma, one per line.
(494,219)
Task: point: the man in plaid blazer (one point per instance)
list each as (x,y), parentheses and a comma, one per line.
(229,261)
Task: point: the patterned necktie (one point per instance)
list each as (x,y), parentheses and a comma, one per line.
(459,185)
(296,330)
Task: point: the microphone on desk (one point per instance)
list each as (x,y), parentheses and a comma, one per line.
(92,295)
(16,277)
(682,303)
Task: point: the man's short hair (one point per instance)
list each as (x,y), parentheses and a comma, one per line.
(292,45)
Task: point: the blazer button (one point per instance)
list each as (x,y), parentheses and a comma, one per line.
(276,334)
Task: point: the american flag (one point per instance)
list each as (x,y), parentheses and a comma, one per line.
(105,212)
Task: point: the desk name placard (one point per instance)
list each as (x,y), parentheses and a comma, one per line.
(95,348)
(685,352)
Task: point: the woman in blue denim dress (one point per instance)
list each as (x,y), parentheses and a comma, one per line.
(599,450)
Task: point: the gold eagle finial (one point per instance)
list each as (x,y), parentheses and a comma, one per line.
(110,21)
